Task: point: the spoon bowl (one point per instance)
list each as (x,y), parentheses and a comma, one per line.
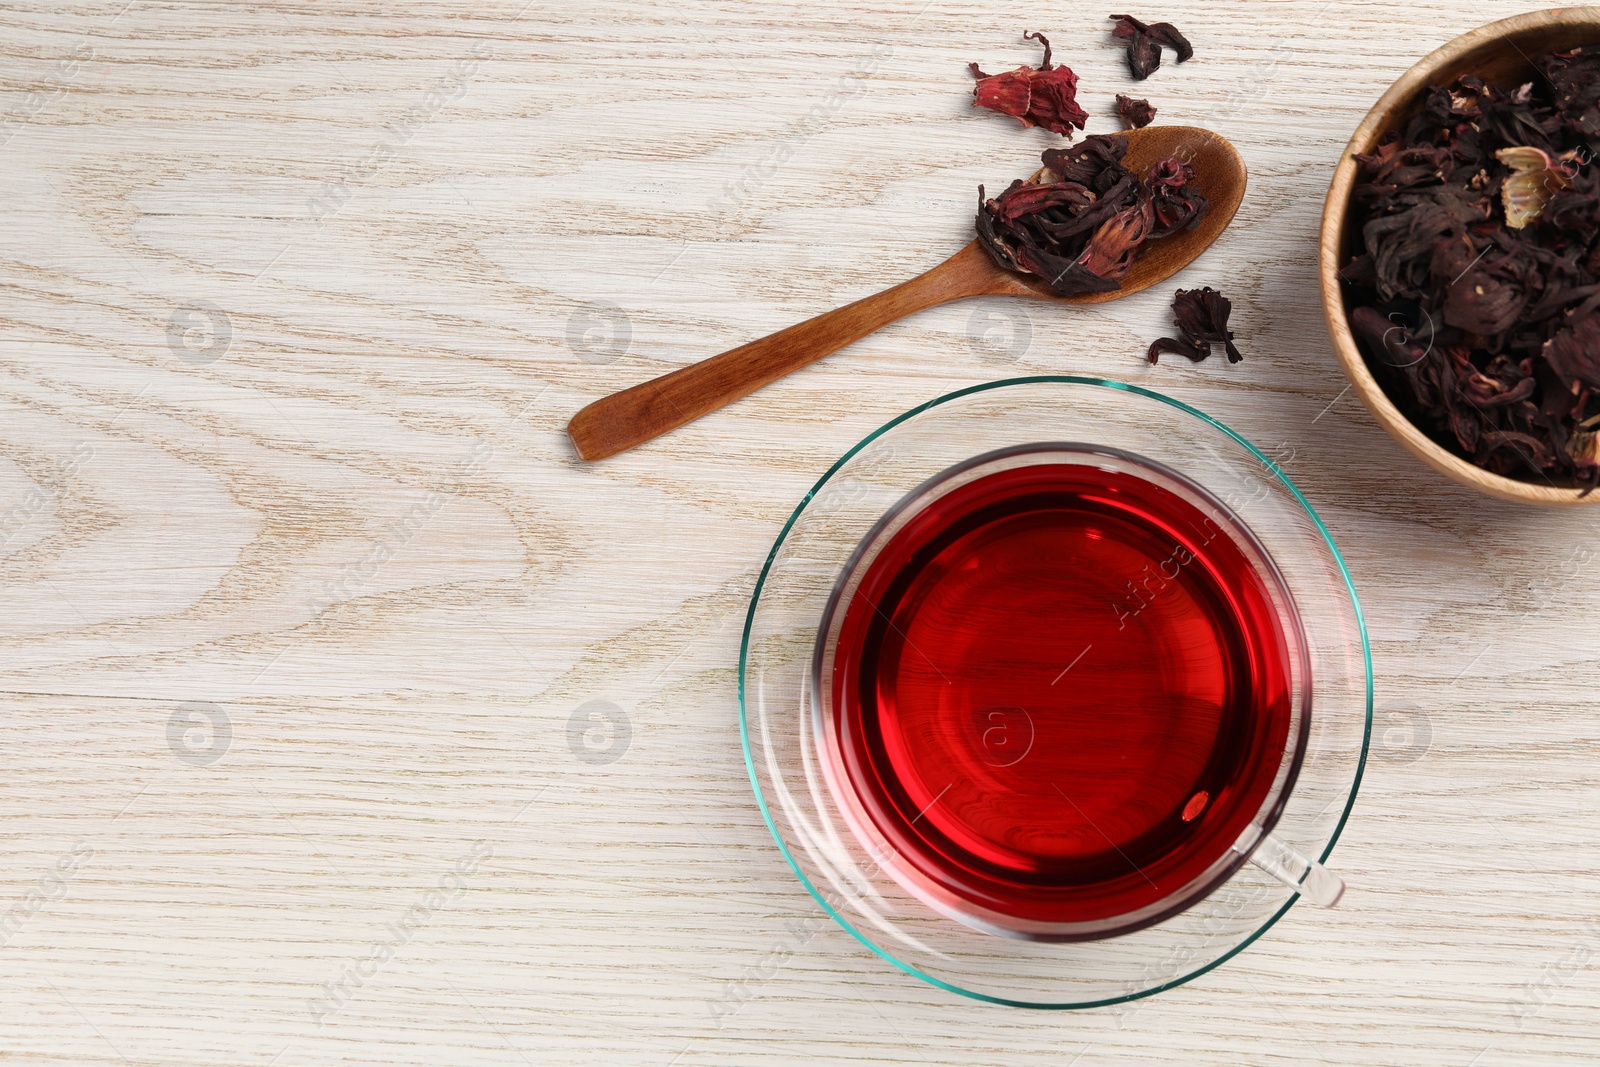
(633,416)
(1221,176)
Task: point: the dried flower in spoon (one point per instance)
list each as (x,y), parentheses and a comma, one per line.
(1084,222)
(1045,97)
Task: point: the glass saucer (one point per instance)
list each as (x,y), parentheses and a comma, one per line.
(776,688)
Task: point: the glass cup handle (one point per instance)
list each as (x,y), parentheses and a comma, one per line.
(1284,862)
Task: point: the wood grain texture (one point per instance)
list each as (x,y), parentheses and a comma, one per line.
(326,661)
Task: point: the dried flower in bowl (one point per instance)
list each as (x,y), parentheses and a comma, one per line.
(1474,279)
(1534,179)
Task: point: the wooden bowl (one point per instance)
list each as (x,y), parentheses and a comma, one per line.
(1500,53)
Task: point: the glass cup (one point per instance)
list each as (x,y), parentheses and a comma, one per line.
(885,901)
(999,740)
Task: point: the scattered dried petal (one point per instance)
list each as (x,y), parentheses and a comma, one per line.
(1163,345)
(1046,97)
(1202,315)
(1135,114)
(1145,41)
(1009,93)
(1166,34)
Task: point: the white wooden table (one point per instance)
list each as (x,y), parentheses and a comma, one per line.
(352,720)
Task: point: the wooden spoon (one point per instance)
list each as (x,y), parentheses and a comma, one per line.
(619,422)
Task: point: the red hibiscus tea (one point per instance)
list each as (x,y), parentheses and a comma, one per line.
(1055,686)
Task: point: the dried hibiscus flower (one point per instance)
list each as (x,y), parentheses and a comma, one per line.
(1135,114)
(1474,277)
(1045,97)
(1084,222)
(1145,43)
(1202,316)
(1535,178)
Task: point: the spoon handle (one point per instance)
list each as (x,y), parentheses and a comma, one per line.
(622,420)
